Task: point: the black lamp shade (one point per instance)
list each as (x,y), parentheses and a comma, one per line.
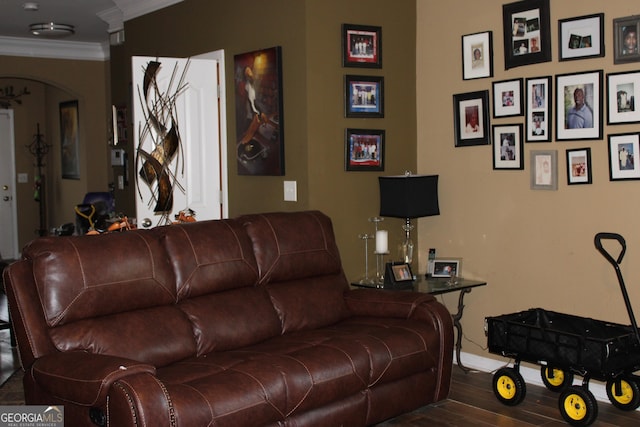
(409,196)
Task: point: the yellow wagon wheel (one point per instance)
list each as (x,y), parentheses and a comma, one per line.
(577,406)
(555,379)
(509,386)
(624,393)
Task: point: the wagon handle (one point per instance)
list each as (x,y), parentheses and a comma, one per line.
(616,265)
(610,236)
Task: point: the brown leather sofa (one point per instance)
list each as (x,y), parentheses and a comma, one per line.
(240,322)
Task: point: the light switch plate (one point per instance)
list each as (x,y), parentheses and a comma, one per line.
(23,178)
(290,191)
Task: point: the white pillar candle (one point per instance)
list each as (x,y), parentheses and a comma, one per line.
(382,241)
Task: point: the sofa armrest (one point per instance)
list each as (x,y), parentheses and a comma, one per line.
(384,303)
(83,378)
(411,305)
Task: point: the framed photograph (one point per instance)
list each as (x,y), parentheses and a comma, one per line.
(259,112)
(538,116)
(477,55)
(401,273)
(527,33)
(471,118)
(579,166)
(623,156)
(364,96)
(622,91)
(544,169)
(625,39)
(361,46)
(579,106)
(507,98)
(449,267)
(508,147)
(69,140)
(581,37)
(364,150)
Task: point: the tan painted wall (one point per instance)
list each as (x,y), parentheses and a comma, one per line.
(535,248)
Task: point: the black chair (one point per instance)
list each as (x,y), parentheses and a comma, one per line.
(6,324)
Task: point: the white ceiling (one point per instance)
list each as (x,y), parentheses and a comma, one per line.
(93,21)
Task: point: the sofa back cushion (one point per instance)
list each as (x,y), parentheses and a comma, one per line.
(83,277)
(209,256)
(299,265)
(111,294)
(216,275)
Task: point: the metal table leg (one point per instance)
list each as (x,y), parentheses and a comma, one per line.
(456,323)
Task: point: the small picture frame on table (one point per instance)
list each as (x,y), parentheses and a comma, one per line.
(477,55)
(398,275)
(581,37)
(544,169)
(623,89)
(507,98)
(364,96)
(624,160)
(508,150)
(579,166)
(364,150)
(447,267)
(527,33)
(625,39)
(361,46)
(471,118)
(579,106)
(538,115)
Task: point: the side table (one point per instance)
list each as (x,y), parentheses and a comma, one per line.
(437,286)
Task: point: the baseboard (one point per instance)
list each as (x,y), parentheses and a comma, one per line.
(530,375)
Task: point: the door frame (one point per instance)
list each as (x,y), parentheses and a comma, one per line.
(9,161)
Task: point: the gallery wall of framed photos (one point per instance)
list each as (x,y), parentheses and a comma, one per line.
(533,118)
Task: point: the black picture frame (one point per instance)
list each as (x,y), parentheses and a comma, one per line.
(361,46)
(581,37)
(508,147)
(622,28)
(539,116)
(623,89)
(363,96)
(579,166)
(398,275)
(587,125)
(508,98)
(624,166)
(364,150)
(527,33)
(477,55)
(471,118)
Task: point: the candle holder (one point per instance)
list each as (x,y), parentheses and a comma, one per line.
(380,268)
(366,280)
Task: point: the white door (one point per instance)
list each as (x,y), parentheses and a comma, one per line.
(177,139)
(8,212)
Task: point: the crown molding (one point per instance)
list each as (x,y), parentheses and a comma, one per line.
(57,49)
(135,8)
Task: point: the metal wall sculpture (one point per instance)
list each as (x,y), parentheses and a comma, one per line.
(160,131)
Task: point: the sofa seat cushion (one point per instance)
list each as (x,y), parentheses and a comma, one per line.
(158,336)
(296,372)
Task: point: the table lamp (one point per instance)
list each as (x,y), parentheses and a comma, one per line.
(408,196)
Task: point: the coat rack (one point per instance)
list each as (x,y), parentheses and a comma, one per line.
(39,149)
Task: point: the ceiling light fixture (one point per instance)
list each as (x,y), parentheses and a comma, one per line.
(51,29)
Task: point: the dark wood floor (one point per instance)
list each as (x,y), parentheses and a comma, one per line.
(470,403)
